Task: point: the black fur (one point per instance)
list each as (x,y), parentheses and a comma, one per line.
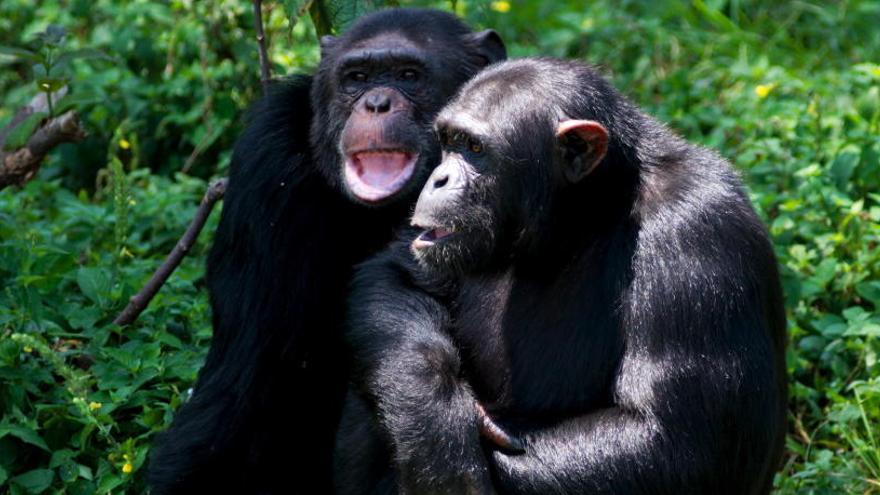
(267,402)
(628,327)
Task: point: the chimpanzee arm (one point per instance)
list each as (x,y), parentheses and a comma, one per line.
(409,370)
(699,400)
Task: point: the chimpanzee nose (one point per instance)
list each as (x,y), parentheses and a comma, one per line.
(378,103)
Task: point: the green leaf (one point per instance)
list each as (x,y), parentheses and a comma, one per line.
(35,481)
(3,476)
(84,54)
(68,472)
(50,84)
(23,131)
(871,291)
(843,167)
(24,434)
(85,472)
(39,70)
(94,283)
(866,329)
(53,35)
(83,317)
(21,54)
(60,457)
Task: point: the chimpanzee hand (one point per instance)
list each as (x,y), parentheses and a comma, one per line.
(432,420)
(447,456)
(496,435)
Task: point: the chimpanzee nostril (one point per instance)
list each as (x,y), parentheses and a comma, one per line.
(440,182)
(378,103)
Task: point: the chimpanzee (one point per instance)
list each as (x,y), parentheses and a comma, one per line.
(587,304)
(327,169)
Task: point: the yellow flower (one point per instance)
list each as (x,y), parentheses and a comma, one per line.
(762,90)
(811,108)
(502,7)
(94,406)
(28,349)
(124,144)
(127,468)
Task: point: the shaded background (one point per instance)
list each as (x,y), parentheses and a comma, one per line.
(789,92)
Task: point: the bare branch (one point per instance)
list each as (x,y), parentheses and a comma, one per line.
(265,70)
(19,166)
(138,303)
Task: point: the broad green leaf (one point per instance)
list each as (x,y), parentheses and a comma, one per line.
(24,434)
(23,131)
(21,54)
(60,457)
(871,291)
(865,329)
(53,35)
(65,58)
(35,481)
(39,70)
(94,283)
(68,472)
(50,84)
(843,167)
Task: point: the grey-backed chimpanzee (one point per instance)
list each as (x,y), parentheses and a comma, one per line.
(589,305)
(327,169)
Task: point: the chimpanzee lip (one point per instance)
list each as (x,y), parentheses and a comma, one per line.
(431,236)
(376,174)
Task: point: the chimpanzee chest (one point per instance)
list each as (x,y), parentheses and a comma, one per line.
(531,347)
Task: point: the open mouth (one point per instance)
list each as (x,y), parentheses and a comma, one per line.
(374,175)
(431,237)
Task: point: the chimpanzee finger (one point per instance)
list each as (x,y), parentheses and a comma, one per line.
(495,434)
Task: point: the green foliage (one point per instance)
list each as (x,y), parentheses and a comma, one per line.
(80,398)
(51,64)
(789,92)
(19,135)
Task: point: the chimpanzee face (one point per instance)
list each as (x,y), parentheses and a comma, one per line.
(377,91)
(460,207)
(505,156)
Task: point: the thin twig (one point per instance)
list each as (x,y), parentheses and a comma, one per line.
(139,301)
(265,71)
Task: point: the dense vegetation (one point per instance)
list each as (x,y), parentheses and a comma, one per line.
(788,91)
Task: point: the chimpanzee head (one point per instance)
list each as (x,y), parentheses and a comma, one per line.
(520,139)
(377,91)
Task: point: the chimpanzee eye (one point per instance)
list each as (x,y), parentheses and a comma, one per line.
(408,75)
(356,76)
(475,146)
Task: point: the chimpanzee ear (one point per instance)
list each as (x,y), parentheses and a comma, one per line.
(489,45)
(583,144)
(327,42)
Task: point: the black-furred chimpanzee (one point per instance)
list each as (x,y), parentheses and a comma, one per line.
(326,171)
(596,290)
